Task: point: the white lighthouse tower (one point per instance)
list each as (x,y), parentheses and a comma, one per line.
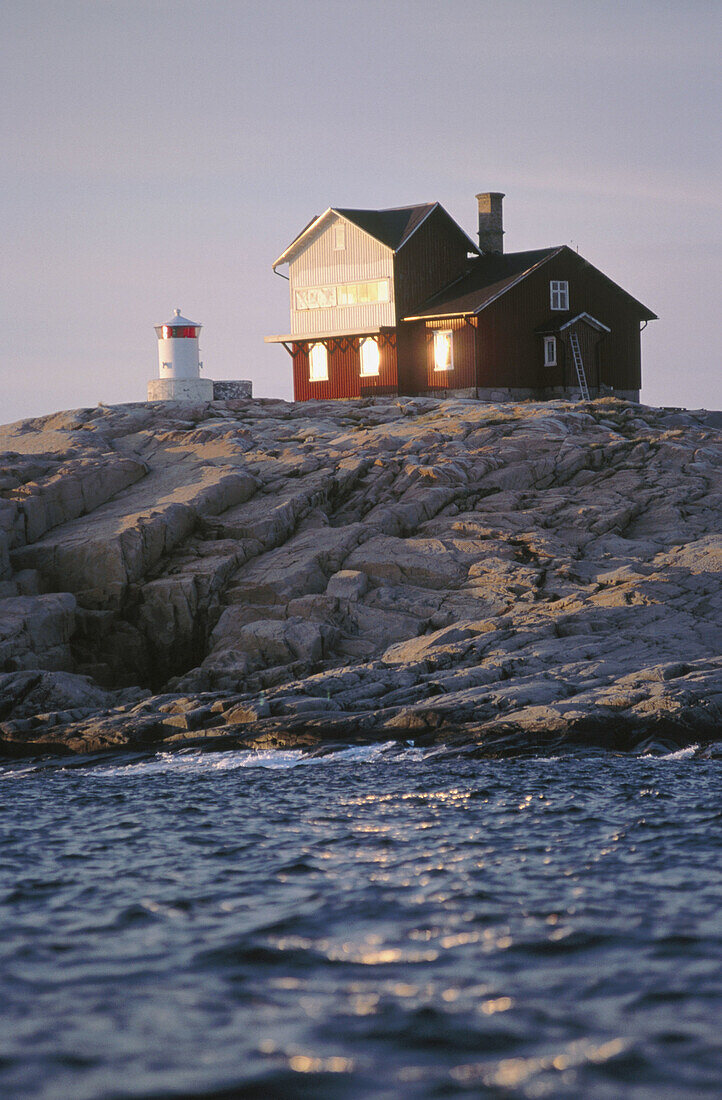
(179,363)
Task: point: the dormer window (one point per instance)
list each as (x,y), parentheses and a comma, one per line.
(318,363)
(339,238)
(559,294)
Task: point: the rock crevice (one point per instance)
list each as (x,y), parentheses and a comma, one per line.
(260,573)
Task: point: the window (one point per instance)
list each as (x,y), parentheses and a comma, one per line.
(175,332)
(443,350)
(339,238)
(550,351)
(318,363)
(370,356)
(316,297)
(347,294)
(352,294)
(559,293)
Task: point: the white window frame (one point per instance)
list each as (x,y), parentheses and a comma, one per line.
(339,238)
(438,333)
(318,363)
(375,371)
(550,351)
(559,294)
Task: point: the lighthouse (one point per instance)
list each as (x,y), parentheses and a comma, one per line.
(179,363)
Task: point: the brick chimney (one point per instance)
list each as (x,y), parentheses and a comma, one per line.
(491,221)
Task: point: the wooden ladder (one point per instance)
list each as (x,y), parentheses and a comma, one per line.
(579,364)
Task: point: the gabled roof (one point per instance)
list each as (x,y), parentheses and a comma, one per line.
(561,321)
(392,227)
(493,275)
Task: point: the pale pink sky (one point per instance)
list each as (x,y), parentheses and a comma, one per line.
(161,154)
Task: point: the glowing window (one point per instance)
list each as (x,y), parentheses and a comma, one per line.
(346,294)
(351,294)
(550,351)
(318,363)
(443,350)
(370,356)
(559,293)
(339,237)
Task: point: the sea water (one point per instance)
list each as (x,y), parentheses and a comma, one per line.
(380,922)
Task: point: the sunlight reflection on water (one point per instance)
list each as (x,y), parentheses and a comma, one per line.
(527,928)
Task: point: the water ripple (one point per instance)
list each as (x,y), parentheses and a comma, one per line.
(375,922)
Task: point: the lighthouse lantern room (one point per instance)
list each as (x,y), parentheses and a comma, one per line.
(179,363)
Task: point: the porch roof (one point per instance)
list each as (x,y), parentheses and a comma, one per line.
(315,337)
(562,321)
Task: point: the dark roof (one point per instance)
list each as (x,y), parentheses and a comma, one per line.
(392,227)
(492,275)
(489,277)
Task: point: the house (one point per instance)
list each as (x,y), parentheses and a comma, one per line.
(402,301)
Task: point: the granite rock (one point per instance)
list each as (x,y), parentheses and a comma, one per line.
(263,573)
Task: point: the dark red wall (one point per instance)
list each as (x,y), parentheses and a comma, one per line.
(463,375)
(504,350)
(510,352)
(344,371)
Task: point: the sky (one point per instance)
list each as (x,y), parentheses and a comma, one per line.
(160,154)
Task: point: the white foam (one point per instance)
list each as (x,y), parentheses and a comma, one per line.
(197,761)
(18,773)
(680,754)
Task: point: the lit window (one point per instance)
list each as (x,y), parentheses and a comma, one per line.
(443,357)
(339,237)
(550,351)
(351,294)
(318,363)
(370,356)
(559,293)
(347,294)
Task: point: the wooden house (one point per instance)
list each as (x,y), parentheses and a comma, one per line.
(401,301)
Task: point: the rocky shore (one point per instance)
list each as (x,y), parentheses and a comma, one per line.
(492,577)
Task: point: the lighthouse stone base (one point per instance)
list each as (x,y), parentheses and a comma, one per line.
(180,389)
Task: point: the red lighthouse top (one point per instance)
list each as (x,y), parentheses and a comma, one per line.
(178,328)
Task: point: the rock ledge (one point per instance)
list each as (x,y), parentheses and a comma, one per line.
(502,577)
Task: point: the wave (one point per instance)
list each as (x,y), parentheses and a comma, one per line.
(680,754)
(197,761)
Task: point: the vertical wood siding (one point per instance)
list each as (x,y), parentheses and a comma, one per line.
(589,340)
(320,264)
(434,256)
(344,372)
(510,352)
(463,374)
(411,356)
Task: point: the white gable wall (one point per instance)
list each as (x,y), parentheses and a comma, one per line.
(321,265)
